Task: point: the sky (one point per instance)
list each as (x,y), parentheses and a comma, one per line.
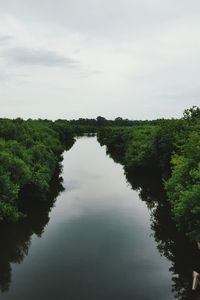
(137,59)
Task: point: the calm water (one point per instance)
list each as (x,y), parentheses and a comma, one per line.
(95,243)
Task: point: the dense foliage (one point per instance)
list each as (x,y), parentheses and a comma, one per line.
(173,148)
(183,187)
(133,146)
(29,153)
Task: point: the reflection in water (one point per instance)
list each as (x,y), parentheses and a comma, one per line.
(97,244)
(171,243)
(15,240)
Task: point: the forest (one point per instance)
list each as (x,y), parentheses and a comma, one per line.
(172,149)
(31,150)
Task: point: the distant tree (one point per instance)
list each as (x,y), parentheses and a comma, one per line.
(101,120)
(192,114)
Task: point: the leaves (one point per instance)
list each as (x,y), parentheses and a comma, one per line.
(29,152)
(173,146)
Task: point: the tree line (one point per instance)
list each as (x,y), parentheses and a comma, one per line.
(172,148)
(29,153)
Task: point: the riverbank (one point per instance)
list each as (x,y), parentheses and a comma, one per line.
(30,152)
(170,149)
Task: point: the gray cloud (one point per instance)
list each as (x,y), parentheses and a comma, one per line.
(139,58)
(113,18)
(5,38)
(25,56)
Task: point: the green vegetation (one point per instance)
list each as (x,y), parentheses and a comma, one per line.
(29,153)
(30,156)
(171,147)
(183,187)
(132,146)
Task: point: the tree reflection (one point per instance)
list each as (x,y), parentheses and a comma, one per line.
(15,239)
(171,243)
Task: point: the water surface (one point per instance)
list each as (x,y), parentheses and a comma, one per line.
(96,243)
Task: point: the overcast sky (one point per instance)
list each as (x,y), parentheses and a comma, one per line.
(138,59)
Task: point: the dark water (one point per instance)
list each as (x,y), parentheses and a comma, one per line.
(97,241)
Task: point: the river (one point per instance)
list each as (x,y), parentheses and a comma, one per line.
(95,242)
